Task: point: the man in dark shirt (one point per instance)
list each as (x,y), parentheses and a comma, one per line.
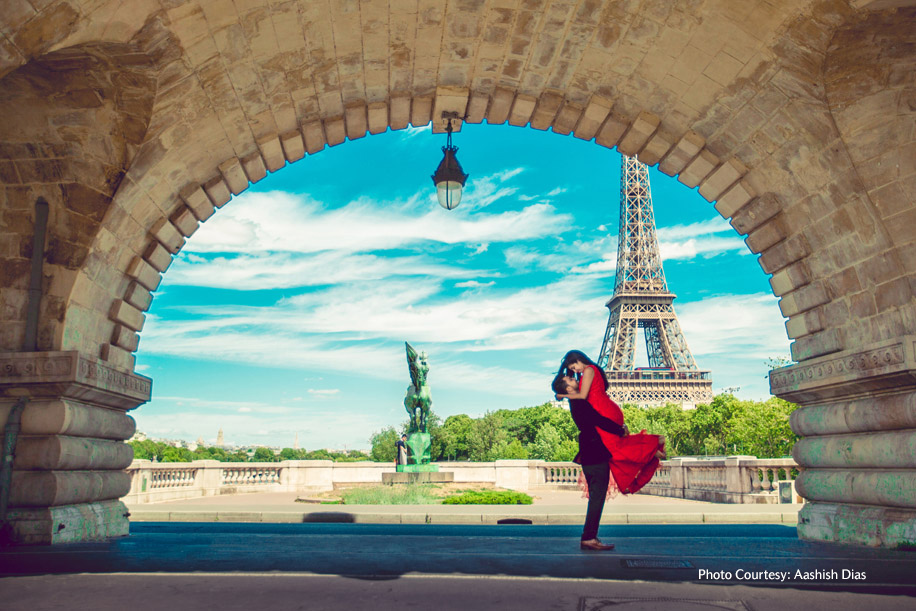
(401,447)
(594,458)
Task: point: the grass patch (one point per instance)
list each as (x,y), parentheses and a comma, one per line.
(488,497)
(416,494)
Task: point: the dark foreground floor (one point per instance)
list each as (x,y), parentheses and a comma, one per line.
(365,566)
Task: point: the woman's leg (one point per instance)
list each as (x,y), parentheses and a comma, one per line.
(597,477)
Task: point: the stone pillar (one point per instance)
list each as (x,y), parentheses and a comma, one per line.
(209,476)
(512,474)
(678,481)
(736,478)
(858,452)
(68,473)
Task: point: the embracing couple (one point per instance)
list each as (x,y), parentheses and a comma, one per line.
(612,459)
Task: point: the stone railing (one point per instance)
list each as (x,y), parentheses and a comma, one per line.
(156,482)
(732,479)
(559,475)
(735,479)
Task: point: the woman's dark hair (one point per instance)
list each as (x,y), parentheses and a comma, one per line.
(578,356)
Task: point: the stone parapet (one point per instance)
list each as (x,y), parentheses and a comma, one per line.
(732,479)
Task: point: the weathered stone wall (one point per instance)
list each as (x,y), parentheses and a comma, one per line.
(795,117)
(716,93)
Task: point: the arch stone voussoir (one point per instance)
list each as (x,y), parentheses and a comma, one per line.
(795,120)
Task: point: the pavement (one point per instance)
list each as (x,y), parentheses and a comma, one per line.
(328,564)
(550,507)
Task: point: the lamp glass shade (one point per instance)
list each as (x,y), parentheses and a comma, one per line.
(449,193)
(449,179)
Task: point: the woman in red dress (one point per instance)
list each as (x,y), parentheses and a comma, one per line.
(634,458)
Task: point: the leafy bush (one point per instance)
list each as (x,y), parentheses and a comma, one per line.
(488,497)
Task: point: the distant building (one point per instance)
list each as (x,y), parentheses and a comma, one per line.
(220,442)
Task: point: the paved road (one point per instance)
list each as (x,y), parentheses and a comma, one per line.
(370,566)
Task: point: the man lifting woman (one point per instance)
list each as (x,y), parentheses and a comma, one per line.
(612,460)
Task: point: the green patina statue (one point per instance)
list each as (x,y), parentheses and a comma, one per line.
(417,402)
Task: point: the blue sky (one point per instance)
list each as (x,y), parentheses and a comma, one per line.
(288,310)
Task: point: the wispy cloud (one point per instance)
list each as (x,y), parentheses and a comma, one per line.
(287,270)
(323,392)
(741,326)
(410,132)
(703,239)
(282,222)
(473,284)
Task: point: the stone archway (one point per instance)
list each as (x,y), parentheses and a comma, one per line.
(765,107)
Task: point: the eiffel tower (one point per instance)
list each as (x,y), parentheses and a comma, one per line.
(642,300)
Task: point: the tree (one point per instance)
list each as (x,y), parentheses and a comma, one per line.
(291,454)
(383,445)
(454,433)
(546,443)
(762,429)
(264,455)
(486,436)
(512,450)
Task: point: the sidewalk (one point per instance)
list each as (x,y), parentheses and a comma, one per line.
(550,507)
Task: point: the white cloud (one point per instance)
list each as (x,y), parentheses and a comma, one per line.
(486,190)
(353,323)
(283,222)
(705,247)
(410,132)
(288,270)
(699,239)
(691,230)
(473,284)
(740,326)
(605,266)
(323,392)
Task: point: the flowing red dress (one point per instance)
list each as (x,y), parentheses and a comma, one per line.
(633,460)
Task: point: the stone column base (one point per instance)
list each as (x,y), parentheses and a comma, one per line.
(858,524)
(67,523)
(69,456)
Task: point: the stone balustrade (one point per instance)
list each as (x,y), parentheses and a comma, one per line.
(735,479)
(732,479)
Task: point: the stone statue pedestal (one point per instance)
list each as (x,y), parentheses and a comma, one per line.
(419,444)
(431,476)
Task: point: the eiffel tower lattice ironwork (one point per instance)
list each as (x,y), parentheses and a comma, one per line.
(642,300)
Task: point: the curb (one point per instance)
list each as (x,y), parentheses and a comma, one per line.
(457,518)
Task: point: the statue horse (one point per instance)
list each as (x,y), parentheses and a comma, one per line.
(418,401)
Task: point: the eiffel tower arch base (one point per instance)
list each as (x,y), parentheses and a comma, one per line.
(657,388)
(858,449)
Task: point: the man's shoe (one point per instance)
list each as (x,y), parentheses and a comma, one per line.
(594,545)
